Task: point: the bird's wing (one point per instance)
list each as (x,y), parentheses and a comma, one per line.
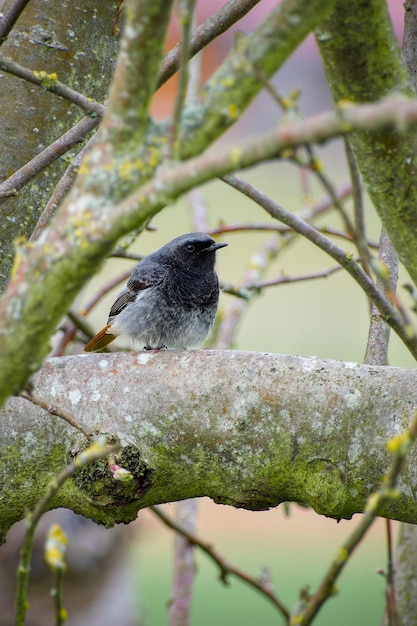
(144,276)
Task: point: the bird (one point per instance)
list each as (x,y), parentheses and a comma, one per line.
(170,299)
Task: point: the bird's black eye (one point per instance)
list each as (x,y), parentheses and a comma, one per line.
(190,247)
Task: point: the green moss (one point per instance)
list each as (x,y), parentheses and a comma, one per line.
(23,484)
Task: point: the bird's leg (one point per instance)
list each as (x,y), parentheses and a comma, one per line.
(155,349)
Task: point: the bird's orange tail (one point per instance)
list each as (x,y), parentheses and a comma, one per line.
(100,341)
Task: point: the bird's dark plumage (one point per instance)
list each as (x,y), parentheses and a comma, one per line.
(170,299)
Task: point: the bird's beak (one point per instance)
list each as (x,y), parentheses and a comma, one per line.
(214,246)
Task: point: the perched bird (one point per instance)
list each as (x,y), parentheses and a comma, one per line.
(170,299)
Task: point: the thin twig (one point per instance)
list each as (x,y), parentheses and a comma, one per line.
(226,569)
(111,284)
(245,292)
(49,82)
(285,280)
(60,191)
(390,599)
(41,161)
(360,230)
(57,595)
(314,164)
(186,13)
(379,331)
(52,409)
(279,228)
(214,26)
(91,455)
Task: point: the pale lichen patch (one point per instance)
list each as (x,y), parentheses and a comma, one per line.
(95,396)
(143,358)
(353,399)
(75,396)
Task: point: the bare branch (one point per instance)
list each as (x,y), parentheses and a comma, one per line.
(9,20)
(42,160)
(186,18)
(226,568)
(51,83)
(214,26)
(379,330)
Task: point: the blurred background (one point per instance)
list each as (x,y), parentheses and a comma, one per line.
(327,318)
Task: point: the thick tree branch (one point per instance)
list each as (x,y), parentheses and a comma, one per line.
(253,442)
(363,68)
(136,72)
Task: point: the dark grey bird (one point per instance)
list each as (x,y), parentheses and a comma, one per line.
(170,300)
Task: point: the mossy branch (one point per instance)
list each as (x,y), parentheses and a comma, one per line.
(361,68)
(253,442)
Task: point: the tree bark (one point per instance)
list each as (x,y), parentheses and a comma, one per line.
(78,46)
(363,63)
(246,429)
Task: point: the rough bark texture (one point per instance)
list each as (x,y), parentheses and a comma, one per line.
(280,428)
(363,63)
(77,44)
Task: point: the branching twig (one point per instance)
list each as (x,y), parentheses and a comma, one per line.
(226,569)
(307,158)
(393,318)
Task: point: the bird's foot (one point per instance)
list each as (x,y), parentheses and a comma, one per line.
(155,349)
